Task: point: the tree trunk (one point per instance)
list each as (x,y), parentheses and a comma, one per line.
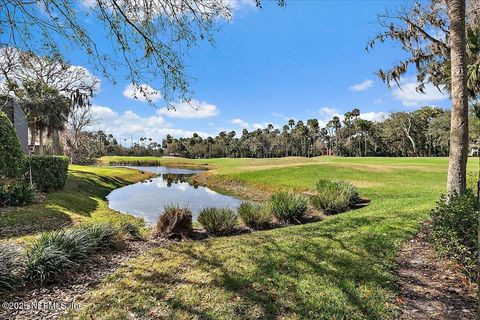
(56,142)
(33,138)
(40,142)
(457,164)
(365,145)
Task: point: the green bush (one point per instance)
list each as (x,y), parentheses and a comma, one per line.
(11,267)
(334,196)
(49,173)
(288,207)
(217,221)
(454,228)
(20,194)
(17,194)
(56,252)
(11,155)
(254,215)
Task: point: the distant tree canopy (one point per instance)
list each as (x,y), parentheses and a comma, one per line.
(424,132)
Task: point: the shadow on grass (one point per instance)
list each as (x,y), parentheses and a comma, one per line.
(30,220)
(338,268)
(275,288)
(79,196)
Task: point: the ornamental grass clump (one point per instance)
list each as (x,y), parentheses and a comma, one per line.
(174,223)
(131,230)
(11,267)
(254,215)
(56,252)
(334,196)
(217,221)
(288,206)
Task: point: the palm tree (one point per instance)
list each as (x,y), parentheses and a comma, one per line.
(291,123)
(313,130)
(457,164)
(336,124)
(57,111)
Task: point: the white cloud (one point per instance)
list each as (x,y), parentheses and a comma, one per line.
(65,78)
(103,113)
(89,4)
(362,86)
(378,101)
(263,125)
(189,110)
(136,11)
(131,125)
(143,92)
(409,97)
(328,112)
(241,123)
(240,4)
(374,116)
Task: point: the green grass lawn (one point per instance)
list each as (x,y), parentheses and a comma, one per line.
(340,268)
(82,200)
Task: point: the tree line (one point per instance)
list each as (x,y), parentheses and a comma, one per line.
(423,132)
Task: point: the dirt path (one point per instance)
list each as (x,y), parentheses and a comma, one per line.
(431,288)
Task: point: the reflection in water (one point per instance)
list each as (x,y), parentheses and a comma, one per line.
(175,178)
(170,186)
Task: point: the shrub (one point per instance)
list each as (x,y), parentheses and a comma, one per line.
(175,222)
(4,195)
(217,220)
(11,267)
(253,214)
(20,194)
(17,194)
(334,196)
(11,155)
(55,252)
(101,235)
(131,230)
(454,228)
(288,207)
(49,173)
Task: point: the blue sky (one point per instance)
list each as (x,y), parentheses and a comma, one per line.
(306,60)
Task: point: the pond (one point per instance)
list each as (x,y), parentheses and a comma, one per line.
(171,186)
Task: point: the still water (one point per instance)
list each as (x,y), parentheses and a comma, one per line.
(171,186)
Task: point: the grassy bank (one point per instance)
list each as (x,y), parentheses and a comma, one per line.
(81,200)
(153,161)
(341,268)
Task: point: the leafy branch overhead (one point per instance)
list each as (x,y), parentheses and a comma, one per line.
(148,36)
(423,32)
